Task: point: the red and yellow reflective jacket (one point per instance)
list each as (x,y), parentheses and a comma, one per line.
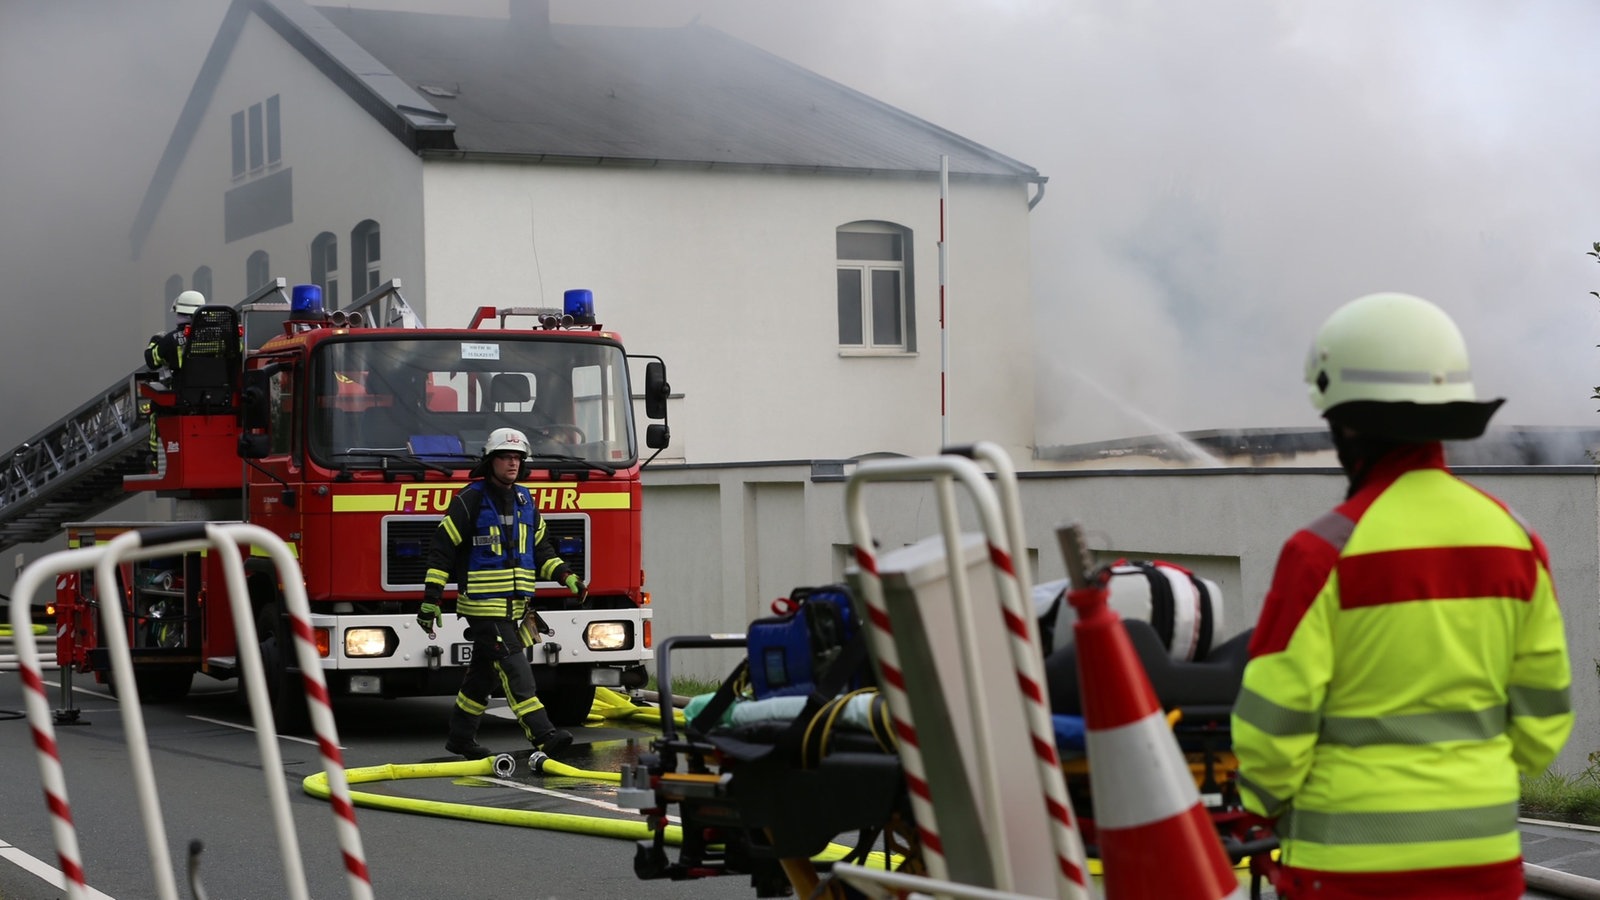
(1409,662)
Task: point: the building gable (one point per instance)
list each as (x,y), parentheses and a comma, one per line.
(382,94)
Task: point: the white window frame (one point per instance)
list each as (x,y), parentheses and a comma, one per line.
(257,138)
(257,271)
(365,266)
(864,270)
(325,267)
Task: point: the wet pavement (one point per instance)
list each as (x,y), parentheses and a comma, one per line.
(1562,862)
(1564,859)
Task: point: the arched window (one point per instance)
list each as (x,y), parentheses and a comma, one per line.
(875,297)
(365,256)
(257,271)
(325,268)
(173,289)
(202,282)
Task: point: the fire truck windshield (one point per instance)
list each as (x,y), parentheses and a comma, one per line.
(437,398)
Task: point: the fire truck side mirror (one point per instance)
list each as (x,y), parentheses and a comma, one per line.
(657,436)
(255,412)
(656,391)
(254,406)
(254,446)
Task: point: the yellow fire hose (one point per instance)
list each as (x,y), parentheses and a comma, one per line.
(607,708)
(5,631)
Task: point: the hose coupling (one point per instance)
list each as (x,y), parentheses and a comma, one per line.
(505,765)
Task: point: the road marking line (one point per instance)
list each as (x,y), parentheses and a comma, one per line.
(250,728)
(93,693)
(561,795)
(34,866)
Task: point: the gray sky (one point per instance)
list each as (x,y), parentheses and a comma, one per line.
(1222,175)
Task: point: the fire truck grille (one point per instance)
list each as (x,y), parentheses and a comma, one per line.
(406,540)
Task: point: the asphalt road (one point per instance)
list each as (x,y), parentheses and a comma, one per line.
(211,787)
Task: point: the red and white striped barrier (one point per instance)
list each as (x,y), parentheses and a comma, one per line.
(880,636)
(1011,576)
(1070,870)
(1156,840)
(224,540)
(40,721)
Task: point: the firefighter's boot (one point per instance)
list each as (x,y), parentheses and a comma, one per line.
(547,737)
(468,749)
(462,740)
(554,741)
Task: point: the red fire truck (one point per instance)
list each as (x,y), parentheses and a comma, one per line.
(346,434)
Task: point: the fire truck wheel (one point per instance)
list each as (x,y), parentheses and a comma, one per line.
(167,684)
(290,713)
(568,704)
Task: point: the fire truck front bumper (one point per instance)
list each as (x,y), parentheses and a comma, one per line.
(390,655)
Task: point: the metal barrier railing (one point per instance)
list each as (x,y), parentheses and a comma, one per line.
(224,540)
(1001,523)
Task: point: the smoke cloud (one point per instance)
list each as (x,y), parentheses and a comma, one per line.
(1222,176)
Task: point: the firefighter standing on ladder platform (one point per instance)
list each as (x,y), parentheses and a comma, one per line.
(164,354)
(1410,659)
(492,543)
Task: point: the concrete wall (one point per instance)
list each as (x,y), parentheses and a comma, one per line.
(722,542)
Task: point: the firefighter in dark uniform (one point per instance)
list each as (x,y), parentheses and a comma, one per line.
(492,543)
(164,353)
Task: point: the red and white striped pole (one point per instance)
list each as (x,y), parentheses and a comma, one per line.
(880,636)
(944,327)
(39,720)
(1156,840)
(357,877)
(224,540)
(1071,867)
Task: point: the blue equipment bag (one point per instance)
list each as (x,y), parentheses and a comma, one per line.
(790,652)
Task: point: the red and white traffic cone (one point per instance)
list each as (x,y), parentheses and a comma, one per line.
(1156,840)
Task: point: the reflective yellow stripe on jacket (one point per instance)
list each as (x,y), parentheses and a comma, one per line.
(487,589)
(1426,668)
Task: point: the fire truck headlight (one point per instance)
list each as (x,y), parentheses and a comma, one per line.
(608,636)
(369,642)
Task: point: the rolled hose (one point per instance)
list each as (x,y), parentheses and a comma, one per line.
(5,632)
(610,706)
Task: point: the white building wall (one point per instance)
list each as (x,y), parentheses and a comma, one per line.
(345,168)
(715,558)
(730,276)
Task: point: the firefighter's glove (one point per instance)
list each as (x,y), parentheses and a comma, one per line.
(428,617)
(580,592)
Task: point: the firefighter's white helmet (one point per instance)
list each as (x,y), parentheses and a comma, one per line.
(505,439)
(1388,357)
(188,302)
(1388,347)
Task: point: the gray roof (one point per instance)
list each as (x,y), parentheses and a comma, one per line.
(462,87)
(690,95)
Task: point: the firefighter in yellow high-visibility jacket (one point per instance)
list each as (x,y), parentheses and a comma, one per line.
(1410,658)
